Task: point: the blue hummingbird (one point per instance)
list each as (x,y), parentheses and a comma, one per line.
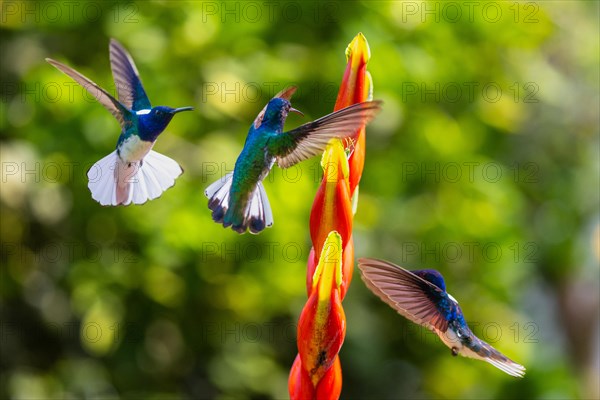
(239,199)
(133,173)
(421,297)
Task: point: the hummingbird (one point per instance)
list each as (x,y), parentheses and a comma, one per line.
(133,172)
(239,199)
(421,297)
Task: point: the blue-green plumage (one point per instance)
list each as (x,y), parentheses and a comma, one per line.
(120,178)
(239,199)
(254,163)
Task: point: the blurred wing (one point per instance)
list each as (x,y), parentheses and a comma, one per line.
(480,350)
(410,295)
(284,94)
(126,76)
(109,102)
(311,139)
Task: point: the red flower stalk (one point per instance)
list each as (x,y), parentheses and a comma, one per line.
(316,373)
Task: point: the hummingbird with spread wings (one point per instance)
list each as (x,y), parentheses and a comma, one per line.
(238,200)
(421,297)
(133,172)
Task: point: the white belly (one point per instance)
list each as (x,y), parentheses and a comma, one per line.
(134,149)
(450,339)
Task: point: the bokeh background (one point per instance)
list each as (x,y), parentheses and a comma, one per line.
(484,164)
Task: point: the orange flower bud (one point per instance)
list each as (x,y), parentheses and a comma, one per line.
(329,387)
(356,87)
(322,324)
(332,208)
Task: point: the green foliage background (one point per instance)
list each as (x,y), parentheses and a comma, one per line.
(497,190)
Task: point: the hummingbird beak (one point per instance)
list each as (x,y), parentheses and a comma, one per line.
(292,109)
(180,109)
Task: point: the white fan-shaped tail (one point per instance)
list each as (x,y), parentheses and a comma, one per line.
(218,197)
(102,181)
(113,182)
(258,213)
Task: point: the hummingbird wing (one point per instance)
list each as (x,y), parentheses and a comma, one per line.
(110,103)
(411,296)
(129,85)
(311,139)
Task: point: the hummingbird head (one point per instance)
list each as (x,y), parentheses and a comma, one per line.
(155,120)
(277,112)
(433,276)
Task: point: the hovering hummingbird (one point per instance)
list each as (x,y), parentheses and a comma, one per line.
(421,297)
(239,199)
(133,173)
